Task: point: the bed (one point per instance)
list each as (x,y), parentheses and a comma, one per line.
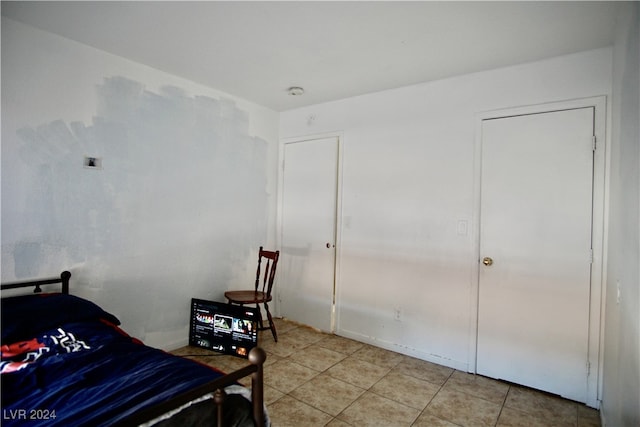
(65,361)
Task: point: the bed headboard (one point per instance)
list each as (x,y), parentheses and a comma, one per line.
(63,279)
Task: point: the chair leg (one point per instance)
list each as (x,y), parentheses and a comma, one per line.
(261,327)
(272,326)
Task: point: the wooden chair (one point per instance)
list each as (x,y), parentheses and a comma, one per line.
(261,294)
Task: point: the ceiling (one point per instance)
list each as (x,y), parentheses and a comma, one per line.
(333,49)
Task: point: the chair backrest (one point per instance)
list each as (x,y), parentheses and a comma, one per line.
(268,271)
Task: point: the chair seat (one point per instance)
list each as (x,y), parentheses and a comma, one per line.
(247,297)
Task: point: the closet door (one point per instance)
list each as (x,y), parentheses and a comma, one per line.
(535,250)
(308,214)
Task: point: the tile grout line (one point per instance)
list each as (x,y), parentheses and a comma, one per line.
(504,401)
(434,396)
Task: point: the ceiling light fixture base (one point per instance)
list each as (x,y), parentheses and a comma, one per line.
(295,91)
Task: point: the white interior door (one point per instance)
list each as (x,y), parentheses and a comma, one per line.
(307,266)
(536,229)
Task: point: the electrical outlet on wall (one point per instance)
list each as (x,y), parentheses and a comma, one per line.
(396,313)
(463,227)
(92,162)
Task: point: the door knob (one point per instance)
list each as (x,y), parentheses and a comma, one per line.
(487,261)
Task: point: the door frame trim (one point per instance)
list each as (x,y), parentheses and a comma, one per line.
(338,211)
(599,233)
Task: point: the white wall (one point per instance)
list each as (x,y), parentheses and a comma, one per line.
(185,197)
(408,179)
(621,396)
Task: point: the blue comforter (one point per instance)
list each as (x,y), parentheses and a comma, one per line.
(82,369)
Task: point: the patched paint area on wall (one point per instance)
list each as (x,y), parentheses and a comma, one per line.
(179,204)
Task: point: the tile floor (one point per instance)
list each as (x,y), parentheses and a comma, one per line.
(317,379)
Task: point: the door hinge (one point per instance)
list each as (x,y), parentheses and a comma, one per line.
(594,142)
(588,368)
(590,256)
